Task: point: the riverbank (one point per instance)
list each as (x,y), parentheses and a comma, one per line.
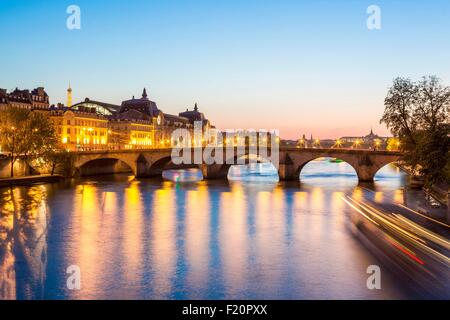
(29,180)
(438,191)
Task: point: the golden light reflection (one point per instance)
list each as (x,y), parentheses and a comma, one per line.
(163,234)
(7,258)
(233,219)
(132,230)
(358,194)
(379,196)
(85,238)
(316,199)
(198,236)
(23,226)
(399,196)
(270,214)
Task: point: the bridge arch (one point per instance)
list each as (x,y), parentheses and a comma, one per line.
(383,171)
(100,165)
(220,171)
(299,169)
(365,163)
(302,166)
(155,165)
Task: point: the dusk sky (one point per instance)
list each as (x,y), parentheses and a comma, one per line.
(308,67)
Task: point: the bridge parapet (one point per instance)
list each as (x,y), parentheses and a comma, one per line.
(148,162)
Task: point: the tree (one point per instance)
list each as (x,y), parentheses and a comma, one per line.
(25,134)
(56,159)
(393,144)
(418,113)
(12,134)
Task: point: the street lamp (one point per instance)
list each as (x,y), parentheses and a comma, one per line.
(302,143)
(377,144)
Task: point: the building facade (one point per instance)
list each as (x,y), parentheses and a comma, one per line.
(80,130)
(136,123)
(369,141)
(89,125)
(24,99)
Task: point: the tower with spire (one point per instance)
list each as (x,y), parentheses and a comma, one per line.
(69,96)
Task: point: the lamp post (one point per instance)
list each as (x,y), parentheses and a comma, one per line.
(317,143)
(377,144)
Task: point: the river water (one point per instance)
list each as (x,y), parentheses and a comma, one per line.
(183,238)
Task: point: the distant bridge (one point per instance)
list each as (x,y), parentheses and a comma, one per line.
(152,162)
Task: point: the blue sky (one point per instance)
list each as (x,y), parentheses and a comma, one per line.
(298,66)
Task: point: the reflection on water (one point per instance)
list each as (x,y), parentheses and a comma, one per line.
(183,176)
(326,174)
(161,239)
(23,242)
(254,172)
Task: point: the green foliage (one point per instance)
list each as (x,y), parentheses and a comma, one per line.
(26,134)
(418,115)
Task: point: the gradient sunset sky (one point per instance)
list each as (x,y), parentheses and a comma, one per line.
(297,66)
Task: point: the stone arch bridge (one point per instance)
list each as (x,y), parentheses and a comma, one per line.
(151,162)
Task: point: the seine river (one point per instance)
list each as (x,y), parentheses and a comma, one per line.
(183,238)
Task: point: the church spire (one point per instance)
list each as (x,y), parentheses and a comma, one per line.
(69,96)
(144,94)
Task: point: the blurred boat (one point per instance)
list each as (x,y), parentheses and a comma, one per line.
(418,255)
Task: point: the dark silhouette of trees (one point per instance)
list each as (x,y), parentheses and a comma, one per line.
(418,114)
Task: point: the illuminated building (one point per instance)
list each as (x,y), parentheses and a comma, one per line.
(80,130)
(94,125)
(131,134)
(367,141)
(138,123)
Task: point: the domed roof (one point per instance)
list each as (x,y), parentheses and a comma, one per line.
(142,104)
(193,115)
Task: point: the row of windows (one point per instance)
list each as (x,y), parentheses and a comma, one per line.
(40,98)
(142,128)
(140,135)
(89,123)
(95,133)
